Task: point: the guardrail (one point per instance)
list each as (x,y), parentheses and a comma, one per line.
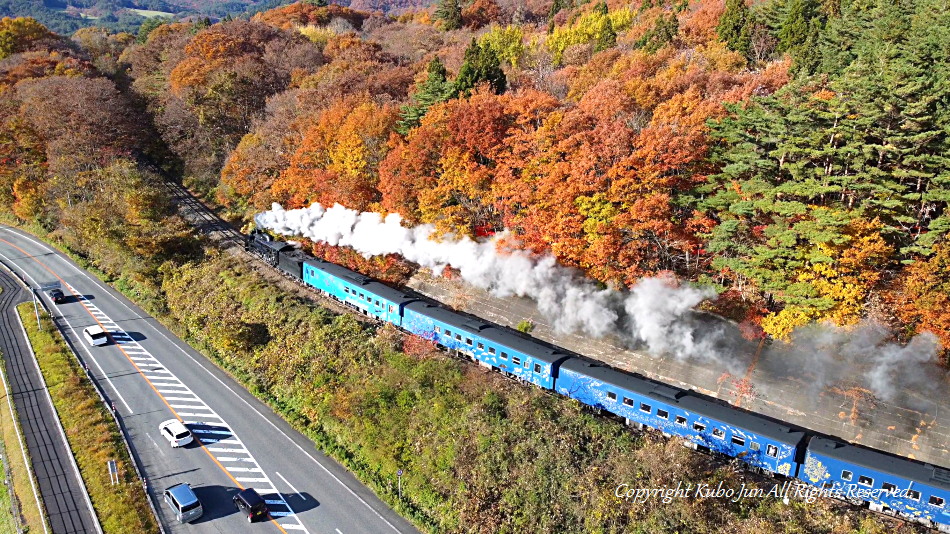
(103,396)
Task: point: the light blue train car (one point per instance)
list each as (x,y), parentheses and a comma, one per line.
(492,346)
(704,422)
(887,483)
(370,297)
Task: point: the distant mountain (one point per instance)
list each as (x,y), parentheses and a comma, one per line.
(66,16)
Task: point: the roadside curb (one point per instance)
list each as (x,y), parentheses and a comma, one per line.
(103,399)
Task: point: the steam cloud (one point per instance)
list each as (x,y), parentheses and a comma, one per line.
(656,312)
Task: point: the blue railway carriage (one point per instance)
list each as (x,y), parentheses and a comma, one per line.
(489,345)
(702,422)
(887,483)
(370,297)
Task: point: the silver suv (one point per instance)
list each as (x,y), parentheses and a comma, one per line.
(183,502)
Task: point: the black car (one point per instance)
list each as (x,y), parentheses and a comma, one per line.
(56,295)
(250,503)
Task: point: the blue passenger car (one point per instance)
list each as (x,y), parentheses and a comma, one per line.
(491,346)
(353,289)
(915,489)
(703,422)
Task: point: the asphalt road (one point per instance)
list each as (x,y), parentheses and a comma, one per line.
(153,377)
(57,478)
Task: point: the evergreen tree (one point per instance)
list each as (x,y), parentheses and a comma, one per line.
(449,12)
(481,65)
(607,38)
(798,25)
(436,88)
(735,27)
(601,8)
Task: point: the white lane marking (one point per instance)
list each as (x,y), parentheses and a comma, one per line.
(337,531)
(292,527)
(190,406)
(174,343)
(244,469)
(230,451)
(242,479)
(302,496)
(232,459)
(81,344)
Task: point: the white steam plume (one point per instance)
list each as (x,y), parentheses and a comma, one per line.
(655,312)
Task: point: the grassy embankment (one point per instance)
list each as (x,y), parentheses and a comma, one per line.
(92,433)
(31,515)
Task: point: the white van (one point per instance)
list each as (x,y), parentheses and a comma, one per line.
(95,336)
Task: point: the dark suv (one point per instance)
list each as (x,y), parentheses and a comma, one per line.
(56,295)
(251,504)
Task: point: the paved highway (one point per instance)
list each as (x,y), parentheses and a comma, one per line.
(154,377)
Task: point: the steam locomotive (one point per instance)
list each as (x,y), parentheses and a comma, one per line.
(886,483)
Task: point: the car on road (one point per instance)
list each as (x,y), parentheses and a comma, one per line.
(176,433)
(56,295)
(95,336)
(251,504)
(183,502)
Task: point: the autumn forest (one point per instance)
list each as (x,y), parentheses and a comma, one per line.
(794,154)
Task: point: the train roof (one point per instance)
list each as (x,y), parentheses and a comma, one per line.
(515,341)
(277,245)
(489,332)
(449,317)
(685,400)
(904,468)
(369,284)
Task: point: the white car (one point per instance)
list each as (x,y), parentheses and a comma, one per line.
(176,433)
(95,335)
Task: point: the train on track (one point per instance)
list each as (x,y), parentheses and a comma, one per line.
(886,483)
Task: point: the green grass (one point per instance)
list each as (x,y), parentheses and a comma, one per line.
(150,13)
(91,432)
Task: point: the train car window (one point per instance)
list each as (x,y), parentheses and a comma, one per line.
(346,290)
(504,355)
(772,451)
(699,427)
(645,408)
(378,303)
(491,350)
(913,494)
(481,346)
(887,486)
(537,368)
(754,445)
(448,332)
(936,501)
(718,433)
(468,341)
(628,402)
(392,309)
(736,440)
(516,360)
(680,420)
(865,481)
(611,395)
(663,414)
(847,475)
(458,337)
(362,296)
(438,330)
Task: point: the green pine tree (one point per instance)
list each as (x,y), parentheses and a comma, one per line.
(481,65)
(735,27)
(449,12)
(436,88)
(607,38)
(798,24)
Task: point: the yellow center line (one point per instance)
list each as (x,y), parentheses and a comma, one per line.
(137,368)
